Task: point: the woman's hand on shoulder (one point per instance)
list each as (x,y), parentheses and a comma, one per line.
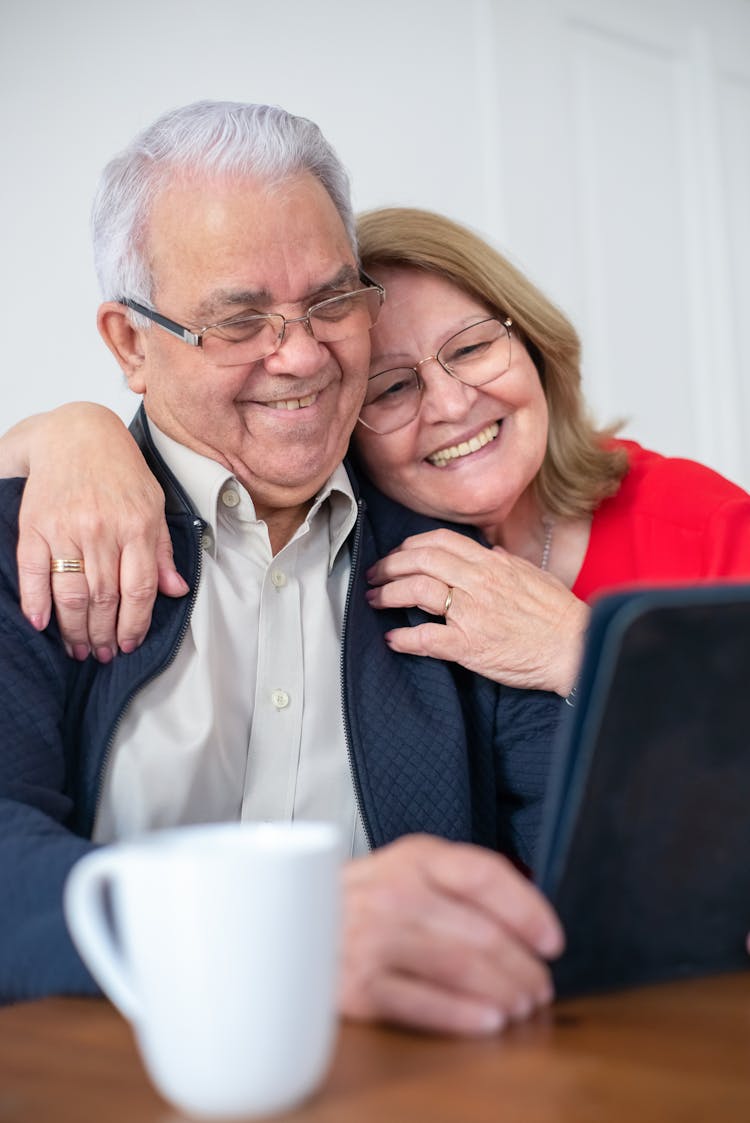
(506,619)
(89,496)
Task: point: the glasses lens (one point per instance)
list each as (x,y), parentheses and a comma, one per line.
(241,341)
(477,354)
(343,317)
(392,399)
(237,342)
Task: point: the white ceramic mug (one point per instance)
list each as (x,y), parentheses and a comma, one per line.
(219,943)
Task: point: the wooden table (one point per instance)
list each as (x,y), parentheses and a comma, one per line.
(675,1052)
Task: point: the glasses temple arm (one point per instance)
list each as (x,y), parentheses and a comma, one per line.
(163,321)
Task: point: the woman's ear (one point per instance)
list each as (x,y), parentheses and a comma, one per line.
(125,342)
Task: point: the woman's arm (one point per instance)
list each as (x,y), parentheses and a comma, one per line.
(89,495)
(507,619)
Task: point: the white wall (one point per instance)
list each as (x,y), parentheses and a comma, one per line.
(510,115)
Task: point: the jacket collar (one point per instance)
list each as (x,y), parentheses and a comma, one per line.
(177,501)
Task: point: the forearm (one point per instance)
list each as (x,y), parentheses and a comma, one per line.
(14,447)
(37,848)
(37,957)
(39,432)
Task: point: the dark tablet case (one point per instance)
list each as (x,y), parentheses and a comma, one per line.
(645,846)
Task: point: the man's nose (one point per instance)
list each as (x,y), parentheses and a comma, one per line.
(444,398)
(299,353)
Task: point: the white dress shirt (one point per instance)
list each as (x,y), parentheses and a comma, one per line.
(246,722)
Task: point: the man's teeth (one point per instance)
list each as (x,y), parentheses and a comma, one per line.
(294,403)
(443,455)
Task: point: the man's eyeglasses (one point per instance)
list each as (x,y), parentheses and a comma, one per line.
(475,355)
(245,339)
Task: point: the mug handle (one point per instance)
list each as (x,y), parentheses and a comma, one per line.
(90,928)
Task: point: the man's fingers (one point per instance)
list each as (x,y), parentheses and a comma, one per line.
(494,885)
(431,971)
(444,936)
(419,1004)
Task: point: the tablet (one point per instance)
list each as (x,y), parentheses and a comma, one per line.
(645,844)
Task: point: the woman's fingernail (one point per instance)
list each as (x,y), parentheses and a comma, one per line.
(80,651)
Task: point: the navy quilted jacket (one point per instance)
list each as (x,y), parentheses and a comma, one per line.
(433,748)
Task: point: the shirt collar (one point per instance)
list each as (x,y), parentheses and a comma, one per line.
(205,481)
(338,495)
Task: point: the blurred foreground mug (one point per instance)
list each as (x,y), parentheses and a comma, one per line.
(219,943)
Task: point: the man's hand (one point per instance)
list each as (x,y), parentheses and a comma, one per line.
(444,936)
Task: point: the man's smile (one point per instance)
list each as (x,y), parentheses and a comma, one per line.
(294,403)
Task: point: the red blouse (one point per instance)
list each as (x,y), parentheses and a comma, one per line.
(672,521)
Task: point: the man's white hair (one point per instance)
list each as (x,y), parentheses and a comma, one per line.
(207,138)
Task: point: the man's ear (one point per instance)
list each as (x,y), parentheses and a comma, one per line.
(125,342)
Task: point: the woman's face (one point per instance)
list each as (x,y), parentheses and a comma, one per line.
(427,464)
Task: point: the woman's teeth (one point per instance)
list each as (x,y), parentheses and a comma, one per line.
(293,403)
(444,455)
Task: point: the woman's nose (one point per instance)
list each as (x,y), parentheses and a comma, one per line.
(444,398)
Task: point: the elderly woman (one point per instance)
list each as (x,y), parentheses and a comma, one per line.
(473,414)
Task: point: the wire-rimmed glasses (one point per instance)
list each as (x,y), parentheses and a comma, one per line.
(475,356)
(248,338)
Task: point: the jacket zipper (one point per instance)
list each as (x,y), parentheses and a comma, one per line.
(347,728)
(199,527)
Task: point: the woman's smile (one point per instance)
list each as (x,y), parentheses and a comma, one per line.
(444,456)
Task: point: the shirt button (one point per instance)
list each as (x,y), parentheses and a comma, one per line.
(229,497)
(278,578)
(208,540)
(280,699)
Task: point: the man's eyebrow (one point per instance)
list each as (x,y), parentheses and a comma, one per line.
(347,274)
(220,304)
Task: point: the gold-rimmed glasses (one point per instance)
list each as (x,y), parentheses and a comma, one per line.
(474,356)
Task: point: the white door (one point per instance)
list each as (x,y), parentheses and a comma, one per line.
(620,131)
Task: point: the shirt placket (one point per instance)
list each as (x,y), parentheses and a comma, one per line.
(276,729)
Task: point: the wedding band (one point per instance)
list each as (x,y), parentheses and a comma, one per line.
(448,600)
(67,565)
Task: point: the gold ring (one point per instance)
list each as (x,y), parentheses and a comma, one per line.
(448,601)
(67,565)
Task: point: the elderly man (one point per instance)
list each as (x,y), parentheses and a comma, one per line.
(242,701)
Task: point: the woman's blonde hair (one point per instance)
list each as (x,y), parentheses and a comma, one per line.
(578,470)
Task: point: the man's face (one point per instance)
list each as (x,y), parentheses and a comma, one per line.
(222,248)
